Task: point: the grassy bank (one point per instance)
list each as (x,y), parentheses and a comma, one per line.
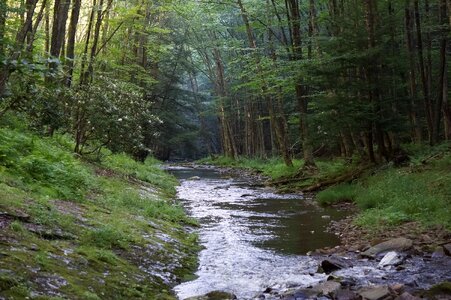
(386,195)
(80,230)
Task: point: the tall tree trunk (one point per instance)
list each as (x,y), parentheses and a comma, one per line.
(47,28)
(60,15)
(86,47)
(75,14)
(26,27)
(38,21)
(442,101)
(3,69)
(416,128)
(425,85)
(229,144)
(372,75)
(301,91)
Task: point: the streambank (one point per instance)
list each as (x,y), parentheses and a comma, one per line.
(72,229)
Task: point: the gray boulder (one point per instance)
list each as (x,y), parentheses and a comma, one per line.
(374,293)
(398,244)
(215,295)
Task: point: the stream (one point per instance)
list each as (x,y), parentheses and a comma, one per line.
(254,238)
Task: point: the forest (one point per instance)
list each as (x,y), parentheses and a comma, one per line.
(343,102)
(242,78)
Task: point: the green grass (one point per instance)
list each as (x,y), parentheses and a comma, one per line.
(339,193)
(149,171)
(392,196)
(40,165)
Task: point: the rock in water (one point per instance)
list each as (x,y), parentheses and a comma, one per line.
(194,178)
(215,295)
(392,258)
(345,295)
(334,263)
(398,244)
(375,293)
(327,288)
(447,249)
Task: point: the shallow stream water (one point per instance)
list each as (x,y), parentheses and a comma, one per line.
(252,237)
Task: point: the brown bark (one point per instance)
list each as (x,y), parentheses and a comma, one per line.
(372,76)
(75,14)
(442,101)
(60,15)
(38,21)
(416,129)
(88,39)
(301,93)
(426,96)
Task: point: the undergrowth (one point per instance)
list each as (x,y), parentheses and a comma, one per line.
(101,214)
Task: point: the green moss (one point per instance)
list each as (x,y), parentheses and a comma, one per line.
(105,215)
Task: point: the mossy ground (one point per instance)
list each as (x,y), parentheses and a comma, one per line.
(79,230)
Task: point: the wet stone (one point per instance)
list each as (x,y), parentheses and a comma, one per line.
(345,295)
(406,296)
(398,244)
(215,295)
(447,249)
(334,263)
(375,293)
(302,294)
(327,288)
(392,258)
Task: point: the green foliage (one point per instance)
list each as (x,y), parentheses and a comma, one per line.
(106,237)
(339,193)
(43,165)
(149,171)
(398,195)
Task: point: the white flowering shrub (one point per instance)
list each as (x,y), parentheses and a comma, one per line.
(110,113)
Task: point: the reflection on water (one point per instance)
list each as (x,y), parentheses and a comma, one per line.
(253,238)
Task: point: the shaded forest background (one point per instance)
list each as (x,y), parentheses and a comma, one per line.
(255,78)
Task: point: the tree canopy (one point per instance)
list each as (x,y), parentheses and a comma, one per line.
(256,78)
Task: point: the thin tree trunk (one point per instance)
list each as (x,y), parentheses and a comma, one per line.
(38,21)
(60,15)
(71,40)
(301,91)
(426,96)
(416,129)
(88,39)
(442,100)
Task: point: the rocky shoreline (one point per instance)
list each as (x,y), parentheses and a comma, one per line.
(406,263)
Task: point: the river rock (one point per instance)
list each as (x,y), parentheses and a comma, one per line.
(447,249)
(327,288)
(375,293)
(334,263)
(194,178)
(215,295)
(301,294)
(407,296)
(392,258)
(398,244)
(345,295)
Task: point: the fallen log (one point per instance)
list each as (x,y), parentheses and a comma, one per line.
(340,179)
